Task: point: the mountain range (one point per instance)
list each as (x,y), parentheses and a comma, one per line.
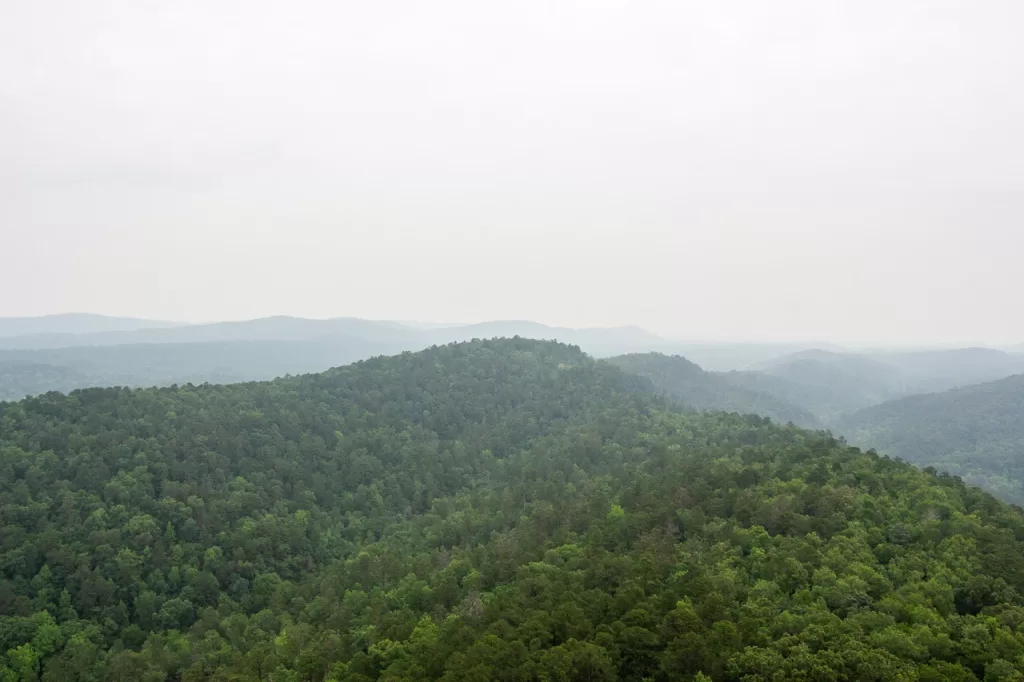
(60,332)
(831,384)
(104,354)
(885,399)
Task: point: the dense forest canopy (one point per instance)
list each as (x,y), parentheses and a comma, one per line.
(494,510)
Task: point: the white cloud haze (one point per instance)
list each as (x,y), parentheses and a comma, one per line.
(743,169)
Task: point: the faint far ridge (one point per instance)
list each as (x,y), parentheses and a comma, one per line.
(77,323)
(420,324)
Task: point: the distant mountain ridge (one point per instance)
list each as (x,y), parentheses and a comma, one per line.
(287,328)
(940,370)
(861,395)
(75,323)
(832,384)
(277,328)
(265,348)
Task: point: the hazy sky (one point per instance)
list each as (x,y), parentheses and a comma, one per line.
(748,169)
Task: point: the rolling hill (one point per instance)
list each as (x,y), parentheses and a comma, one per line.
(941,370)
(728,356)
(686,382)
(831,385)
(976,432)
(494,510)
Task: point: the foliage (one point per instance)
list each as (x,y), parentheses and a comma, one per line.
(495,510)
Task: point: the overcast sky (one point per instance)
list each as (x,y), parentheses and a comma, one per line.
(851,171)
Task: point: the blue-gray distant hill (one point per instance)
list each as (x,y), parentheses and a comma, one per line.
(251,350)
(686,382)
(74,323)
(810,387)
(976,432)
(831,384)
(596,341)
(941,370)
(280,328)
(31,372)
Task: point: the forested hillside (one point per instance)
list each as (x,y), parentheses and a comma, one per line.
(19,379)
(686,382)
(495,510)
(784,381)
(976,432)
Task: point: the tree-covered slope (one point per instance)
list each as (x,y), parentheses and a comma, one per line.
(20,379)
(500,510)
(686,382)
(976,432)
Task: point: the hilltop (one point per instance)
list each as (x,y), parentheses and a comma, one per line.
(493,510)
